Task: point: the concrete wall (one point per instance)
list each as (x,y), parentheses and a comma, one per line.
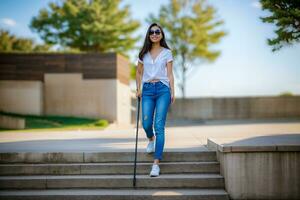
(88,84)
(23,97)
(123,103)
(264,167)
(70,95)
(261,175)
(231,108)
(11,122)
(235,108)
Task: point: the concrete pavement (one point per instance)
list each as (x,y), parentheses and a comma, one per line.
(186,137)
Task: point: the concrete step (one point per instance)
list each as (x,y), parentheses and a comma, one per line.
(122,194)
(112,181)
(107,168)
(98,157)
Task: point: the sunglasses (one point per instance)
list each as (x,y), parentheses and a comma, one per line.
(157,32)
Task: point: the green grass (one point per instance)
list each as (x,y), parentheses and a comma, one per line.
(34,123)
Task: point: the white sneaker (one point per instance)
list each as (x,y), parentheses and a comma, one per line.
(150,147)
(154,171)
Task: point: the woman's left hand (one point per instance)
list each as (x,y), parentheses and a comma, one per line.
(172,98)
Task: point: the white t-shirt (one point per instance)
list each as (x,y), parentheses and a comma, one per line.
(156,69)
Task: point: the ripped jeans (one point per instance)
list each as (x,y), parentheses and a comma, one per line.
(156,96)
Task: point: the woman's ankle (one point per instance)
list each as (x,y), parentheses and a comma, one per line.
(152,139)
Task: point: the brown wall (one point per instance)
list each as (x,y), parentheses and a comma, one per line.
(33,66)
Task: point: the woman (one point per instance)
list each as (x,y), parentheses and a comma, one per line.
(154,71)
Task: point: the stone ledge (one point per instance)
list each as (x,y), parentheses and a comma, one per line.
(11,122)
(272,143)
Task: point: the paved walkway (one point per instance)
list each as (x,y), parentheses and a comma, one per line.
(185,136)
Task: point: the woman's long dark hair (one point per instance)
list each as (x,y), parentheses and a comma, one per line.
(148,43)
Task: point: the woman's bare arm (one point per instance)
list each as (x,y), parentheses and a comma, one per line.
(171,79)
(139,75)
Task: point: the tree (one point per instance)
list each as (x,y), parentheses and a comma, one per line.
(286,94)
(91,26)
(132,71)
(22,44)
(11,43)
(5,41)
(285,14)
(41,48)
(191,29)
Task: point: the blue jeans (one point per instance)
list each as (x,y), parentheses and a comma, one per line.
(155,96)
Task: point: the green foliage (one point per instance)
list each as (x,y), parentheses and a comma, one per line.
(58,122)
(90,26)
(10,43)
(285,14)
(192,29)
(286,94)
(41,48)
(6,41)
(132,71)
(101,122)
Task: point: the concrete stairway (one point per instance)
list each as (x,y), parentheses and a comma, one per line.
(108,175)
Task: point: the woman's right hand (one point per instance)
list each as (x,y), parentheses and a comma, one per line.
(138,93)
